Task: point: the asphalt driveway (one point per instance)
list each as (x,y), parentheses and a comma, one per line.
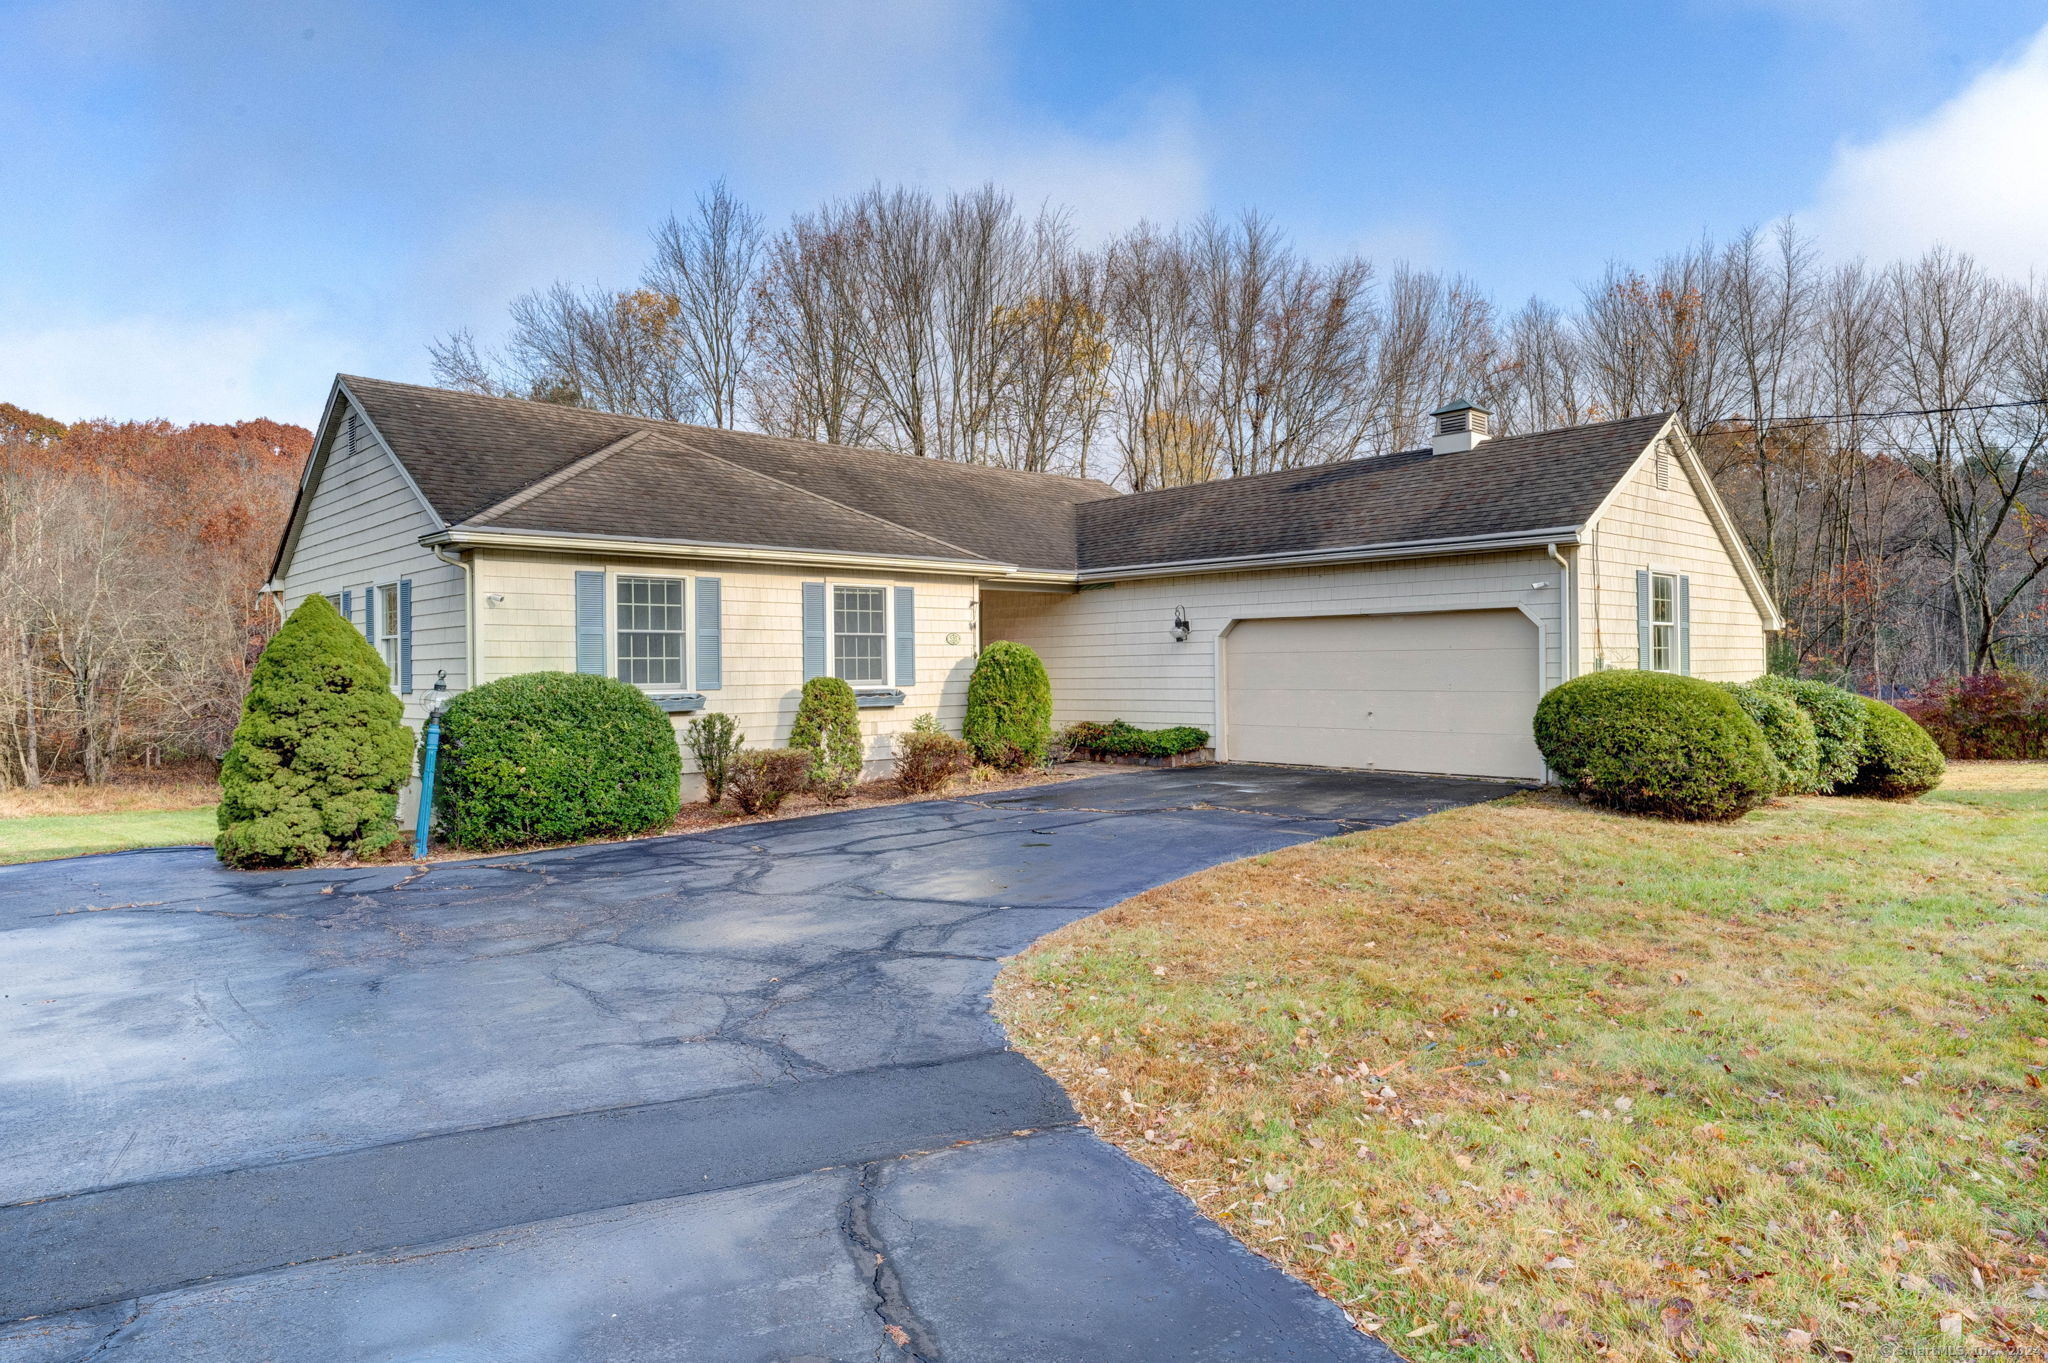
(732,1096)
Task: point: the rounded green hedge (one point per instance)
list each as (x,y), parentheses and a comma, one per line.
(1654,743)
(1837,717)
(1009,707)
(1898,759)
(1788,731)
(317,761)
(554,757)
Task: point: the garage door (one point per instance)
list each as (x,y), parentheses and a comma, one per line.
(1450,691)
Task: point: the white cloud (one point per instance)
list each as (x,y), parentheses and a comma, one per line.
(1972,174)
(917,92)
(222,368)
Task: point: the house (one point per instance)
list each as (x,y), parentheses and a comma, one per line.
(1402,612)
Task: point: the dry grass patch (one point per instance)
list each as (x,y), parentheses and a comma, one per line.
(1531,1081)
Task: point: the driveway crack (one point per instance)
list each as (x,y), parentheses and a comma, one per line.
(911,1337)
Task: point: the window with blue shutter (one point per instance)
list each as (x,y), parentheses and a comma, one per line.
(405,635)
(1662,607)
(590,622)
(814,630)
(906,636)
(710,663)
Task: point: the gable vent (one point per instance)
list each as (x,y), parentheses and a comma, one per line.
(1459,426)
(1663,469)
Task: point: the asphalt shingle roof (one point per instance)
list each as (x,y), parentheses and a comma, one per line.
(1547,481)
(470,454)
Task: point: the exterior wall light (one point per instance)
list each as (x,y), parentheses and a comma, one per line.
(1181,627)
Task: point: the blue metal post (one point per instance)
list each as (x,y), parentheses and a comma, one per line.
(426,814)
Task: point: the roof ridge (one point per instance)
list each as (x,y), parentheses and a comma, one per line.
(657,425)
(547,482)
(821,497)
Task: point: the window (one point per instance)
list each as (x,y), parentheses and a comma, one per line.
(1663,623)
(651,630)
(860,628)
(387,626)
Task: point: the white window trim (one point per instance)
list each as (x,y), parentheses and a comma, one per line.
(888,590)
(387,620)
(1675,648)
(612,630)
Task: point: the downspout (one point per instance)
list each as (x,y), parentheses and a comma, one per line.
(1567,644)
(470,622)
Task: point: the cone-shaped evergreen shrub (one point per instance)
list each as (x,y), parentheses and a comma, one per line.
(318,759)
(1838,719)
(1009,707)
(1654,743)
(827,727)
(555,757)
(1898,759)
(1788,730)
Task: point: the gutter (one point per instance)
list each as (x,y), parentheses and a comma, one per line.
(627,546)
(1463,544)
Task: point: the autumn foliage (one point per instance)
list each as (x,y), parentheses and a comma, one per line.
(131,559)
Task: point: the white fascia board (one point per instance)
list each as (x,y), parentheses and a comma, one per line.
(630,547)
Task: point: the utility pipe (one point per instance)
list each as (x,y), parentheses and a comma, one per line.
(1567,643)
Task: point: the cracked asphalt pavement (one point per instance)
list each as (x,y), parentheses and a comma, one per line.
(729,1096)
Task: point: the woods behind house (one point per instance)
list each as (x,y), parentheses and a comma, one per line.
(1880,432)
(960,327)
(131,558)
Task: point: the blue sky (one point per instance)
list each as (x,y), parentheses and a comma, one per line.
(217,206)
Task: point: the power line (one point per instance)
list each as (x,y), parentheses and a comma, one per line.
(1821,417)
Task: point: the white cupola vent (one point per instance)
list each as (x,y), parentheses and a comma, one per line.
(1459,426)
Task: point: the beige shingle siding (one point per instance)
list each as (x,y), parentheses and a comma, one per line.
(1665,530)
(534,629)
(362,527)
(1111,654)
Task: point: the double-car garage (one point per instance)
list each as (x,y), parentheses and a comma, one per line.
(1439,691)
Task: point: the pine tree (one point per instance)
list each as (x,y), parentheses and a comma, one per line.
(322,751)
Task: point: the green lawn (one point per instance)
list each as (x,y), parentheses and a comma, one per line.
(41,837)
(1530,1081)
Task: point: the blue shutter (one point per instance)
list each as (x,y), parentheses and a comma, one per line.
(348,605)
(590,622)
(1685,626)
(370,615)
(710,664)
(906,636)
(1643,619)
(814,630)
(405,635)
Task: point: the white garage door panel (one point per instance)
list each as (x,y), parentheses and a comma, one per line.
(1448,691)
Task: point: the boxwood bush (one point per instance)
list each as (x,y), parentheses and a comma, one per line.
(321,752)
(1898,759)
(762,778)
(927,757)
(1786,728)
(828,728)
(1009,707)
(1838,719)
(1654,743)
(554,757)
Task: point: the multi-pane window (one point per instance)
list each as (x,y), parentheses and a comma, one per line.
(650,630)
(859,630)
(1663,622)
(387,626)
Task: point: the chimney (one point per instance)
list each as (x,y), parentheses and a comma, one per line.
(1459,426)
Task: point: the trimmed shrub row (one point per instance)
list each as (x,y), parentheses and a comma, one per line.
(1654,743)
(1119,738)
